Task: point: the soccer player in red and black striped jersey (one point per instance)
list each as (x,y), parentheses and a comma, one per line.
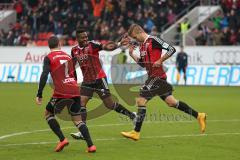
(152,58)
(60,65)
(94,77)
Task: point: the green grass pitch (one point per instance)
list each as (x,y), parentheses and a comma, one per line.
(24,134)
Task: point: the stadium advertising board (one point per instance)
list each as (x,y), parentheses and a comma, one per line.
(210,75)
(196,55)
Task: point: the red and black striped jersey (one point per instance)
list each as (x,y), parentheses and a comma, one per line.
(150,52)
(88,59)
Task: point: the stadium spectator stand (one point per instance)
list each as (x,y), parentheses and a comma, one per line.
(108,19)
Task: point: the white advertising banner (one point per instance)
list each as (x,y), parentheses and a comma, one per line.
(209,75)
(223,55)
(37,54)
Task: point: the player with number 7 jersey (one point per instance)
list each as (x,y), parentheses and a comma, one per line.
(62,73)
(66,93)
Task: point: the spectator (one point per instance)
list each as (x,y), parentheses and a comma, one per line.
(206,32)
(31,43)
(227,5)
(59,29)
(98,6)
(160,20)
(217,20)
(171,17)
(226,36)
(2,37)
(232,37)
(24,38)
(185,25)
(10,39)
(200,40)
(217,37)
(51,24)
(149,24)
(232,19)
(18,6)
(224,22)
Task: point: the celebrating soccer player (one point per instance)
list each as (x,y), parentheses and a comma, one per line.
(60,65)
(94,77)
(156,85)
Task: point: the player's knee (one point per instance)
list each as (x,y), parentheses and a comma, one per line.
(141,101)
(47,114)
(108,102)
(84,100)
(171,101)
(76,119)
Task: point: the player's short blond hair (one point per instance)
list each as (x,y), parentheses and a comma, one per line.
(135,28)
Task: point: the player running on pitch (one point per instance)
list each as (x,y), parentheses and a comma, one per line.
(94,77)
(60,65)
(156,85)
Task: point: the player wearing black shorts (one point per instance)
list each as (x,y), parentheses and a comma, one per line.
(181,64)
(66,93)
(94,77)
(156,85)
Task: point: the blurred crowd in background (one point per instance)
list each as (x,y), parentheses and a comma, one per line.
(225,28)
(109,19)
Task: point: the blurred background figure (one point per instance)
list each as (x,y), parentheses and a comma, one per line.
(181,64)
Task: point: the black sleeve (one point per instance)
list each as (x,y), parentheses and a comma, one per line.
(96,45)
(140,62)
(161,44)
(44,76)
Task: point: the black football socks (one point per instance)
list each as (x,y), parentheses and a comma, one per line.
(84,130)
(187,109)
(120,109)
(83,113)
(54,125)
(140,118)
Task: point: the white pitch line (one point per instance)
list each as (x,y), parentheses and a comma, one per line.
(13,134)
(109,125)
(116,139)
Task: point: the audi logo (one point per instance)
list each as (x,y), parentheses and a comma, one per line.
(227,57)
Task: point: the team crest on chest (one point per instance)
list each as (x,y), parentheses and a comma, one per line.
(143,51)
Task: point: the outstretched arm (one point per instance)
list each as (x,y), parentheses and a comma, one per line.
(43,80)
(110,46)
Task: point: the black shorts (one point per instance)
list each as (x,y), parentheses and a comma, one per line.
(100,86)
(155,86)
(183,69)
(56,105)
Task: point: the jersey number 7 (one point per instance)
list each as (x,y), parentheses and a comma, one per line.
(65,62)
